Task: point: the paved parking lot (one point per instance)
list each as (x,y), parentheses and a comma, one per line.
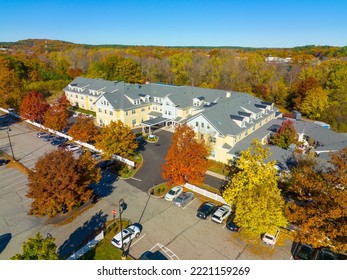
(191,238)
(176,230)
(14,205)
(27,147)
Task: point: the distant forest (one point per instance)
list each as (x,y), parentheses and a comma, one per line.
(311,79)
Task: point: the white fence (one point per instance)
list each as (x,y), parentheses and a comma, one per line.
(206,193)
(127,161)
(90,245)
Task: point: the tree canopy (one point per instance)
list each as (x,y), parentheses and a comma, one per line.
(186,159)
(319,206)
(60,182)
(253,192)
(285,135)
(34,107)
(84,129)
(38,248)
(117,138)
(56,117)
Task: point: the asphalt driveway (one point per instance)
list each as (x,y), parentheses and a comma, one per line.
(153,158)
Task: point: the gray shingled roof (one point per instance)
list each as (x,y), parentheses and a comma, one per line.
(328,139)
(221,115)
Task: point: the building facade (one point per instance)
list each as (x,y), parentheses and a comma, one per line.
(222,118)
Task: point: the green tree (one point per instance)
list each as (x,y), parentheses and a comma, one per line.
(60,182)
(38,248)
(285,135)
(253,192)
(116,68)
(117,138)
(186,159)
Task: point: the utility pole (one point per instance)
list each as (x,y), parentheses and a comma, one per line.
(9,140)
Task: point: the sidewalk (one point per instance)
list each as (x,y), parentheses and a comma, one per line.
(214,174)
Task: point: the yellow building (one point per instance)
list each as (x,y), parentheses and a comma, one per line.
(222,117)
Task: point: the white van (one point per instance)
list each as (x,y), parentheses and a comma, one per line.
(270,238)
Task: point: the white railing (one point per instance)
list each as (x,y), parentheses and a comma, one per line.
(90,245)
(206,193)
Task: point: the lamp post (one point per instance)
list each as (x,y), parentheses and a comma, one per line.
(9,140)
(121,202)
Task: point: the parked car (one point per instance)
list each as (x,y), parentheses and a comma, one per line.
(4,161)
(206,209)
(129,234)
(157,255)
(58,141)
(183,199)
(63,146)
(96,156)
(325,254)
(79,152)
(304,252)
(42,134)
(270,237)
(173,193)
(73,147)
(230,224)
(221,214)
(105,164)
(49,138)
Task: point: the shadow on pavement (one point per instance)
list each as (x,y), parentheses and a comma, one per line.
(105,186)
(4,240)
(83,234)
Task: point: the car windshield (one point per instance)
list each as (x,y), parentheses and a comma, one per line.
(268,237)
(115,241)
(179,199)
(171,192)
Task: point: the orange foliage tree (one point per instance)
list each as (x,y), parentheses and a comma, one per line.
(60,182)
(56,117)
(321,212)
(186,159)
(34,106)
(83,129)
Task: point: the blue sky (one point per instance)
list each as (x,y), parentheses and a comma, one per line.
(178,23)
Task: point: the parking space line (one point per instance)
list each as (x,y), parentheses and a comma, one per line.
(13,178)
(137,240)
(189,204)
(136,179)
(15,183)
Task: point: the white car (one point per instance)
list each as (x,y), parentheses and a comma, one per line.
(270,238)
(72,147)
(173,193)
(129,234)
(221,214)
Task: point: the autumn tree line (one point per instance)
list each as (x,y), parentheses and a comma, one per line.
(315,82)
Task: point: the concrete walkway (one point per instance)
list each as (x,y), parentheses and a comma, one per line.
(214,174)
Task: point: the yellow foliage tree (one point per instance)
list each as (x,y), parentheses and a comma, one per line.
(254,193)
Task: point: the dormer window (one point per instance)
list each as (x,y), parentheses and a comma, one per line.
(137,101)
(197,101)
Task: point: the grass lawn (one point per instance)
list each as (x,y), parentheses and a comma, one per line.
(217,167)
(83,111)
(105,250)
